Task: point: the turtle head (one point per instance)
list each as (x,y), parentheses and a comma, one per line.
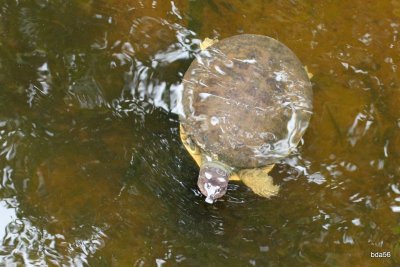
(213,180)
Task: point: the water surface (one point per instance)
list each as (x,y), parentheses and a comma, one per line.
(92,169)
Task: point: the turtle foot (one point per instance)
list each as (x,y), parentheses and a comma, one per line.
(190,146)
(259,182)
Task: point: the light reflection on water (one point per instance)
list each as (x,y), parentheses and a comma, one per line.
(92,169)
(7,216)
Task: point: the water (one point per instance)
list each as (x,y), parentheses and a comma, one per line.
(93,171)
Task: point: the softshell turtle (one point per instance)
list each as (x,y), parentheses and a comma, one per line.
(246,103)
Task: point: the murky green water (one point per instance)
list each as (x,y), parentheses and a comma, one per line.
(92,169)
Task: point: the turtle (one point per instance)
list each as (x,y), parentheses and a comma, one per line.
(245,105)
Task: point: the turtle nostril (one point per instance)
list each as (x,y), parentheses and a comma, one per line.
(209,199)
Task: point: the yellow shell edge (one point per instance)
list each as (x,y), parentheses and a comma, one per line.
(207,43)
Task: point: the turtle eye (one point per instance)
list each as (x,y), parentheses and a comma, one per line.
(220,172)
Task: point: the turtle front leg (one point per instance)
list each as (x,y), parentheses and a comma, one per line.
(190,146)
(259,181)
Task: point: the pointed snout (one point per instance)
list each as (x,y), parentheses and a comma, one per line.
(213,181)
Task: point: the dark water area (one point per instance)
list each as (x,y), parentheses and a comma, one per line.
(93,172)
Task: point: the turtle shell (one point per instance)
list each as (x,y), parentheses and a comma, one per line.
(247,101)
